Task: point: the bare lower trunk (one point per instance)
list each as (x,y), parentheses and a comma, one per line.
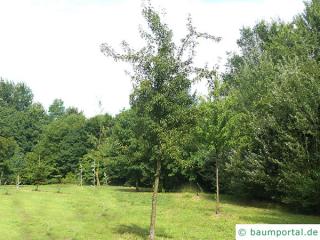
(154,202)
(137,186)
(105,178)
(199,189)
(94,173)
(217,188)
(18,181)
(81,175)
(97,176)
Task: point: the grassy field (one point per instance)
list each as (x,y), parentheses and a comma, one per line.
(122,213)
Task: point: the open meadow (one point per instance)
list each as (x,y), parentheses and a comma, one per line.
(121,213)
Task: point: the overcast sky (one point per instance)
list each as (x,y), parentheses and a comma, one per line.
(53,45)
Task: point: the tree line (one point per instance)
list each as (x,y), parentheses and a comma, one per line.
(256,135)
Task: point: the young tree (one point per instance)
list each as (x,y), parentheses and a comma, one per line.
(98,129)
(17,165)
(163,74)
(37,169)
(210,138)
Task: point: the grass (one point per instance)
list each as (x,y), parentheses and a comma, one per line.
(121,213)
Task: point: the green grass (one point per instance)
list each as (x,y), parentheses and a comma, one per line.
(121,213)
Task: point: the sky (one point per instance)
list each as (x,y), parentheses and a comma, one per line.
(54,45)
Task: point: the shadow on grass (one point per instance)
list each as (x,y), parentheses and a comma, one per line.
(243,202)
(134,190)
(55,191)
(139,231)
(280,213)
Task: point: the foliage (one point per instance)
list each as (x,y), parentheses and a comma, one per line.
(18,96)
(63,143)
(275,83)
(56,109)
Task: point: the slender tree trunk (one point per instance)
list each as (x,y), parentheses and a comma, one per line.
(1,178)
(94,173)
(105,178)
(38,182)
(217,188)
(97,148)
(97,175)
(154,202)
(81,175)
(18,181)
(199,189)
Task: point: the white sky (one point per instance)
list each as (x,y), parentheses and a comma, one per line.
(53,45)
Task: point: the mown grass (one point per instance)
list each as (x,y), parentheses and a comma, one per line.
(121,213)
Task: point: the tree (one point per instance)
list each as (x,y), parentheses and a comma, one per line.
(17,165)
(14,95)
(37,169)
(162,80)
(20,118)
(29,125)
(98,129)
(7,150)
(63,143)
(128,152)
(57,109)
(212,137)
(275,85)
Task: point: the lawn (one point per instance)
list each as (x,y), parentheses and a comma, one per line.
(121,213)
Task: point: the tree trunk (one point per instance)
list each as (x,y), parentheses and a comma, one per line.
(94,172)
(217,188)
(137,186)
(154,202)
(1,178)
(18,181)
(97,175)
(199,189)
(81,175)
(105,178)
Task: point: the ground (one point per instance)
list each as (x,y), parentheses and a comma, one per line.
(121,213)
